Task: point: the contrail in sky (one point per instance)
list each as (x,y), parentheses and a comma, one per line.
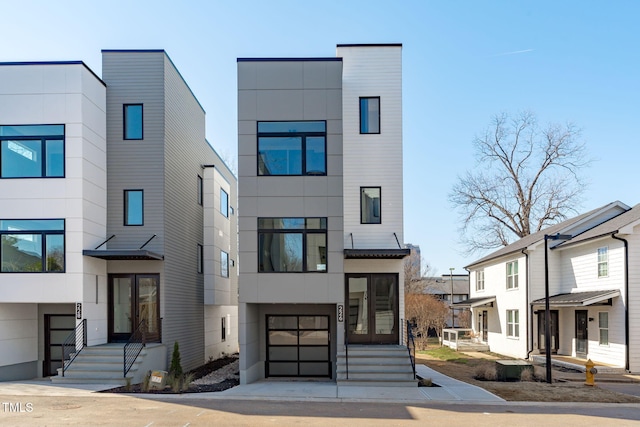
(515,52)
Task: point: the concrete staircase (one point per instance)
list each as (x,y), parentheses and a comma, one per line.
(375,366)
(100,364)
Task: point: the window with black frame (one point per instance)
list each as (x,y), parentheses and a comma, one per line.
(32,246)
(292,148)
(32,151)
(288,245)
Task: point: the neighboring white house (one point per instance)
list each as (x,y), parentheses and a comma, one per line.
(592,278)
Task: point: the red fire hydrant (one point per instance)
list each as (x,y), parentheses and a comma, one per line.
(590,372)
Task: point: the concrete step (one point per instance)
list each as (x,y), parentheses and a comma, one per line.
(90,380)
(376,376)
(377,383)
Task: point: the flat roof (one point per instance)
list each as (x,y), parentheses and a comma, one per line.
(376,253)
(56,63)
(331,58)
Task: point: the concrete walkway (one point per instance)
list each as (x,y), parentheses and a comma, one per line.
(449,391)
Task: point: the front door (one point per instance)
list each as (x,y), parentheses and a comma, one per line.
(553,328)
(485,325)
(581,333)
(133,298)
(372,308)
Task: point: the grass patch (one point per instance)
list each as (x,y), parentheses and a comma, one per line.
(446,354)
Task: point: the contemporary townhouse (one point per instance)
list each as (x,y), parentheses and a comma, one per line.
(320,212)
(117,220)
(590,262)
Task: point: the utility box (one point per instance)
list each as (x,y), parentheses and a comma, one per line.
(158,380)
(511,370)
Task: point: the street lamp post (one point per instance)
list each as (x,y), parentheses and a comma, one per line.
(547,312)
(453,313)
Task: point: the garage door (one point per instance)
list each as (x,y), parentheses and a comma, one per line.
(298,346)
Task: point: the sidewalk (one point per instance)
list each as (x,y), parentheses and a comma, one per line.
(449,391)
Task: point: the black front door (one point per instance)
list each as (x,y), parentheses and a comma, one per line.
(57,328)
(485,326)
(133,298)
(553,327)
(581,333)
(372,308)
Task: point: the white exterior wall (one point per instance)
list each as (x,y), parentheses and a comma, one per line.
(372,160)
(68,94)
(18,334)
(634,298)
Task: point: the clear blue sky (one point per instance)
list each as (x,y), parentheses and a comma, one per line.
(464,61)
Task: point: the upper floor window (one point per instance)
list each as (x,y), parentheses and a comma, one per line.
(292,245)
(292,148)
(370,205)
(200,190)
(133,121)
(512,275)
(32,151)
(133,207)
(480,280)
(370,115)
(603,326)
(32,245)
(603,262)
(224,203)
(224,264)
(513,323)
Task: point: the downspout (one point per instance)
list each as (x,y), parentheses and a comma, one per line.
(530,307)
(626,297)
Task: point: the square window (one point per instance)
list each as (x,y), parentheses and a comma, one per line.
(133,207)
(133,121)
(370,205)
(370,115)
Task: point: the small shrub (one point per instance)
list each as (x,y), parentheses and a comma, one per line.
(176,367)
(490,373)
(176,383)
(186,382)
(426,382)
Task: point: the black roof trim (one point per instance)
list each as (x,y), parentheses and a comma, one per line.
(289,59)
(376,253)
(123,254)
(57,63)
(370,45)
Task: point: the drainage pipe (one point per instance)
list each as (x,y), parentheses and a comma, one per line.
(626,298)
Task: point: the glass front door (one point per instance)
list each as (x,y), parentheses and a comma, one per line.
(553,327)
(372,308)
(133,298)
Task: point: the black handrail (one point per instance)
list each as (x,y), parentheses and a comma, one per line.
(411,347)
(134,346)
(73,344)
(346,348)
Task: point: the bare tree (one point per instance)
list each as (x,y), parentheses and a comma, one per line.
(416,269)
(527,178)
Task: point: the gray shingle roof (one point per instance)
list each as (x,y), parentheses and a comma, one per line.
(609,227)
(579,298)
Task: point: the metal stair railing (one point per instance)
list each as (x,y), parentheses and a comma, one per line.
(73,344)
(134,346)
(411,347)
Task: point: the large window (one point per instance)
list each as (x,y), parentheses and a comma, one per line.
(292,148)
(512,275)
(133,207)
(480,280)
(32,245)
(224,264)
(292,245)
(32,151)
(370,115)
(370,205)
(513,323)
(603,262)
(133,121)
(224,203)
(603,325)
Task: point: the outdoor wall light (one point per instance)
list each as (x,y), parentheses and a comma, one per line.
(591,319)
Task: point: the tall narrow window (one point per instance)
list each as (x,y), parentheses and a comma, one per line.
(603,262)
(224,203)
(513,323)
(133,207)
(603,325)
(133,121)
(370,205)
(224,328)
(370,115)
(512,275)
(480,280)
(200,256)
(200,190)
(224,264)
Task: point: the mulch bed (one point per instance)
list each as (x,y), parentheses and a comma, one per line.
(199,372)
